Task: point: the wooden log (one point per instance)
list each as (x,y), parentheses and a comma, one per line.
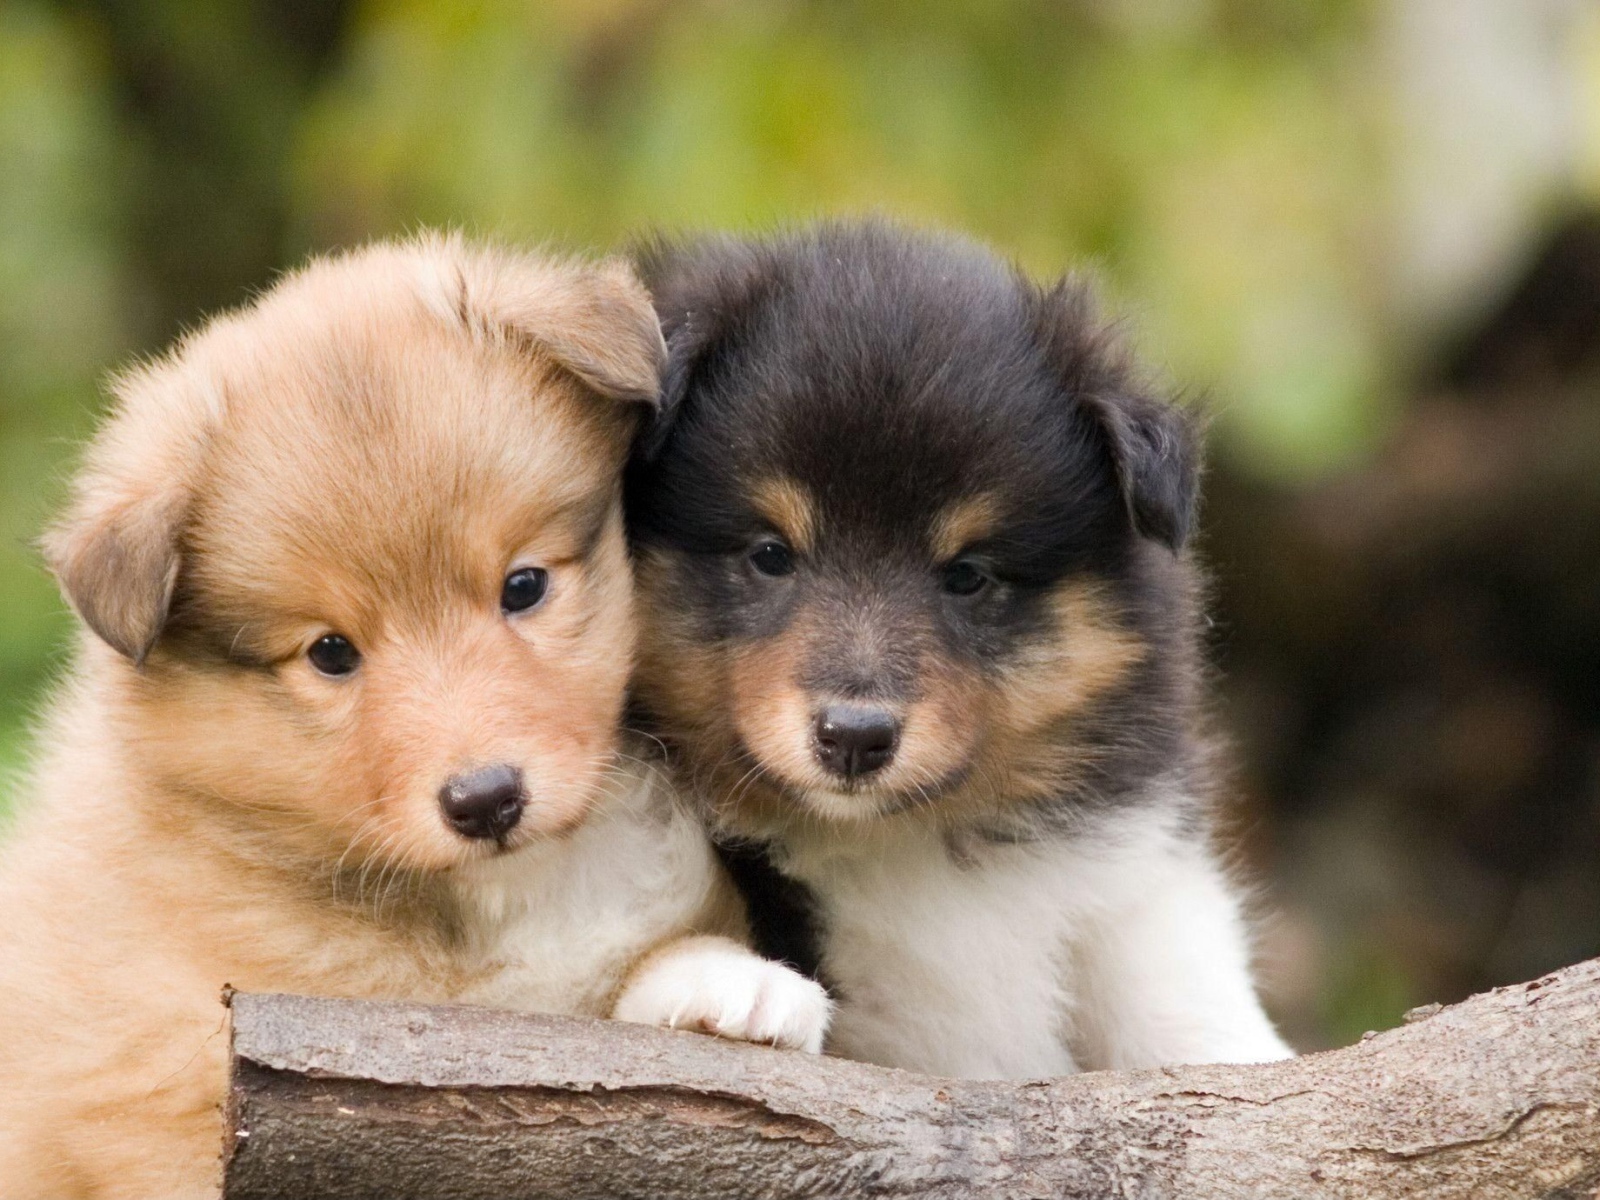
(1496,1097)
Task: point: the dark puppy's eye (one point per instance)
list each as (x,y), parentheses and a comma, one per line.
(332,654)
(773,558)
(964,578)
(523,589)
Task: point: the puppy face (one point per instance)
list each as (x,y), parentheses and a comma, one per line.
(909,538)
(366,540)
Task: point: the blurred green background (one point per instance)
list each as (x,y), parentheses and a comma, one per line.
(1359,226)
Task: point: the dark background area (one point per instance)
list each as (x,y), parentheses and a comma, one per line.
(1362,230)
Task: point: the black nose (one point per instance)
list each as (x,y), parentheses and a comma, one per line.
(854,740)
(486,803)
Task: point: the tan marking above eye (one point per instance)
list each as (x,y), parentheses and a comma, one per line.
(789,507)
(960,524)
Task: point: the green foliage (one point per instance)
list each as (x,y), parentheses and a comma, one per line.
(1368,988)
(1212,161)
(1217,168)
(60,308)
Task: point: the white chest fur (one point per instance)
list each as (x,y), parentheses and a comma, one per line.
(554,926)
(1118,950)
(950,967)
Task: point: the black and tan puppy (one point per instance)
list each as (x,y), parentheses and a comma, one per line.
(921,625)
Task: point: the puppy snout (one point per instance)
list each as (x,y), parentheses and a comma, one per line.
(486,803)
(853,740)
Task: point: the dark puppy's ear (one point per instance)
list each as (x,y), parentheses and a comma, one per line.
(1155,445)
(115,550)
(702,293)
(595,319)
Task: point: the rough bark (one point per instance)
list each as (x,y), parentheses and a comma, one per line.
(1496,1097)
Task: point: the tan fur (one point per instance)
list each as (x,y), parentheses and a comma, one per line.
(368,449)
(963,523)
(788,507)
(970,744)
(1058,680)
(682,673)
(773,714)
(766,702)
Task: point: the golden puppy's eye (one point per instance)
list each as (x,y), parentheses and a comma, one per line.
(523,589)
(334,655)
(964,578)
(772,558)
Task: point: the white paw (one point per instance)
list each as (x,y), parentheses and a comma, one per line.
(720,987)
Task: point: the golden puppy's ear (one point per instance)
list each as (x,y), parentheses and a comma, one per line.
(115,550)
(595,319)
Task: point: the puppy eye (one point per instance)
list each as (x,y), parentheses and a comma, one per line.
(773,558)
(523,589)
(332,654)
(964,578)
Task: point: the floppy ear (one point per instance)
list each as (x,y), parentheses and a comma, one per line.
(1154,444)
(117,567)
(595,319)
(114,552)
(702,292)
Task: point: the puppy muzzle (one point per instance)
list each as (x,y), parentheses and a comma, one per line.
(485,803)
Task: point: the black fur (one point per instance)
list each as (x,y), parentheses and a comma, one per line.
(891,374)
(817,337)
(784,918)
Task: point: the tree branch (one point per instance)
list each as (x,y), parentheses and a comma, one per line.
(1497,1096)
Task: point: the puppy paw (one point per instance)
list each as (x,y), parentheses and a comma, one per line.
(719,987)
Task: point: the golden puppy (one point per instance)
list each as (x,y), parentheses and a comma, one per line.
(346,717)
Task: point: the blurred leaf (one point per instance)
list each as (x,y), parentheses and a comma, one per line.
(1217,164)
(61,314)
(1368,989)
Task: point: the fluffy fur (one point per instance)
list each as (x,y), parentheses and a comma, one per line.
(896,479)
(368,450)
